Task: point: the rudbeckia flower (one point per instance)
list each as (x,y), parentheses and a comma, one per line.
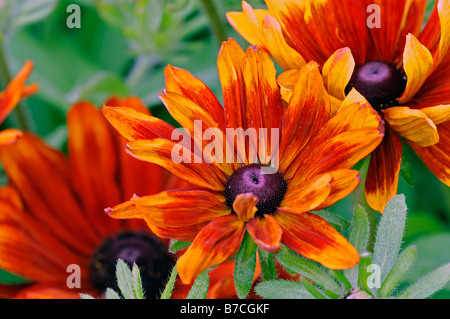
(16,90)
(380,49)
(316,151)
(52,219)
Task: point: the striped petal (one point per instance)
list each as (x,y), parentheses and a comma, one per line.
(213,245)
(438,114)
(312,237)
(412,124)
(244,206)
(343,182)
(384,167)
(266,232)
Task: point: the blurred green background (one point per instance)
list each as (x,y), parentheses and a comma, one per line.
(123,49)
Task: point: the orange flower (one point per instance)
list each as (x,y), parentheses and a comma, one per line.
(316,151)
(16,90)
(52,211)
(401,68)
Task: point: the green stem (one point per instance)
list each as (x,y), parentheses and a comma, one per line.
(140,68)
(18,115)
(217,25)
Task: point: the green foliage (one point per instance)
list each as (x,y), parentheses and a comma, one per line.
(386,265)
(245,266)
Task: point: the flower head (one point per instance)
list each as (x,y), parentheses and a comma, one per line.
(52,212)
(398,66)
(268,184)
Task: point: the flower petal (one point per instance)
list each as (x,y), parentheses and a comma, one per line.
(134,125)
(344,181)
(187,166)
(266,232)
(337,72)
(418,65)
(178,214)
(244,206)
(412,124)
(438,114)
(437,156)
(312,237)
(212,246)
(384,167)
(308,110)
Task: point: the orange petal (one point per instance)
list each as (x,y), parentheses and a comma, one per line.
(134,125)
(437,156)
(212,246)
(266,232)
(438,114)
(244,206)
(287,81)
(16,90)
(9,136)
(189,167)
(178,214)
(49,291)
(344,181)
(337,72)
(185,84)
(418,65)
(311,236)
(124,210)
(384,167)
(93,164)
(443,7)
(308,110)
(307,195)
(412,124)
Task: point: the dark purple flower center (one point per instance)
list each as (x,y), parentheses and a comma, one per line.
(149,254)
(269,188)
(380,83)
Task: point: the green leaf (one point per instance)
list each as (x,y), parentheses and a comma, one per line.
(389,236)
(111,294)
(136,283)
(177,245)
(358,237)
(311,270)
(267,262)
(282,289)
(398,272)
(199,289)
(364,263)
(86,296)
(124,279)
(244,270)
(167,293)
(339,223)
(313,290)
(31,11)
(429,284)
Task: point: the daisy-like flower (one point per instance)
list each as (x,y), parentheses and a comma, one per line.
(16,90)
(379,48)
(52,219)
(316,151)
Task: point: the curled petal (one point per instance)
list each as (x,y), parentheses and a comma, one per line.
(245,206)
(266,232)
(412,124)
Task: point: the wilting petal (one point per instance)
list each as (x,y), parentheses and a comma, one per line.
(183,83)
(344,181)
(244,206)
(337,72)
(305,196)
(312,237)
(308,110)
(212,246)
(134,125)
(418,64)
(266,232)
(384,167)
(188,167)
(178,214)
(438,114)
(16,90)
(437,156)
(412,124)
